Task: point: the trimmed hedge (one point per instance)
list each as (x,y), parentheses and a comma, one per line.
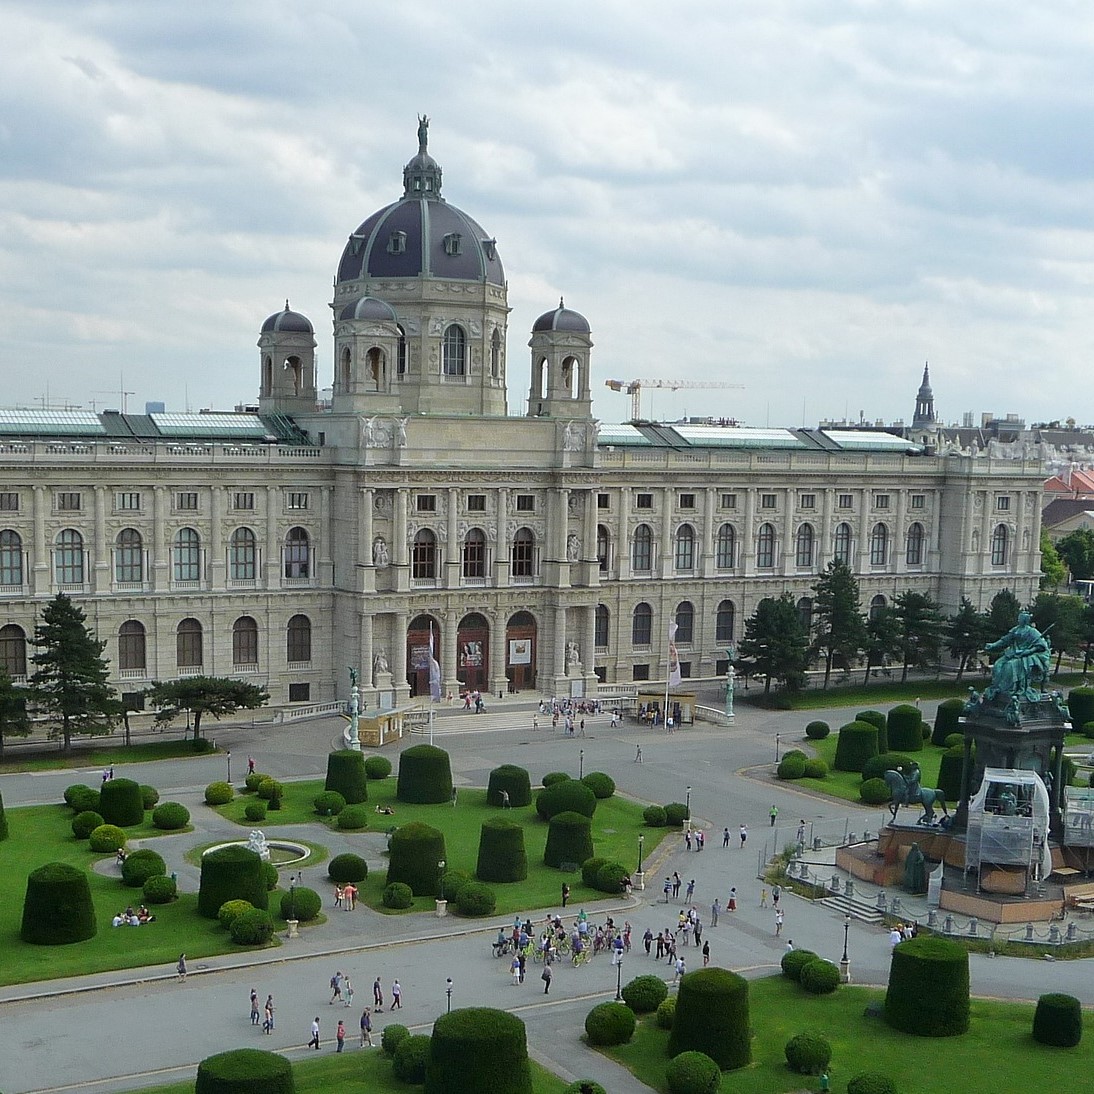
(654,816)
(346,776)
(584,1086)
(928,968)
(329,803)
(949,773)
(347,867)
(254,780)
(666,1012)
(675,814)
(876,766)
(83,824)
(820,977)
(231,873)
(106,838)
(905,729)
(514,781)
(610,1024)
(252,928)
(871,1082)
(791,767)
(793,961)
(876,718)
(413,853)
(568,797)
(121,803)
(377,767)
(553,777)
(610,878)
(411,1059)
(947,720)
(425,776)
(1080,705)
(82,798)
(476,899)
(569,839)
(712,1017)
(231,910)
(272,876)
(219,793)
(392,1037)
(816,769)
(855,744)
(397,895)
(590,868)
(150,797)
(808,1053)
(160,889)
(501,851)
(453,883)
(645,993)
(602,785)
(1058,1020)
(170,816)
(693,1073)
(255,812)
(478,1050)
(353,818)
(141,865)
(875,792)
(245,1071)
(305,903)
(57,907)
(817,731)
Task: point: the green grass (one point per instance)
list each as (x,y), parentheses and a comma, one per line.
(101,756)
(997,1053)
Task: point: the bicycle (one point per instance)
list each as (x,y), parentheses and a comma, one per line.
(501,949)
(581,958)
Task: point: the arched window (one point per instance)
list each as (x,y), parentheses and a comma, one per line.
(13,650)
(803,547)
(842,552)
(879,545)
(474,554)
(401,365)
(601,626)
(524,553)
(603,547)
(128,557)
(725,547)
(455,351)
(877,606)
(187,555)
(642,549)
(188,654)
(267,376)
(375,369)
(423,555)
(242,555)
(999,545)
(244,641)
(641,625)
(685,622)
(132,654)
(805,613)
(685,547)
(298,640)
(765,546)
(69,558)
(11,558)
(297,553)
(725,621)
(345,370)
(913,554)
(495,354)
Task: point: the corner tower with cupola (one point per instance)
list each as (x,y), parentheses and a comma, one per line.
(287,347)
(561,344)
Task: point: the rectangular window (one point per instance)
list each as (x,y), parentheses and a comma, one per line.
(919,501)
(186,500)
(300,693)
(127,502)
(243,500)
(9,502)
(640,672)
(881,501)
(687,501)
(603,501)
(476,503)
(298,501)
(807,501)
(846,501)
(643,501)
(526,503)
(685,669)
(767,501)
(425,503)
(729,501)
(1002,503)
(68,502)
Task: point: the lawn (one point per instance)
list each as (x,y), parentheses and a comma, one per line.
(99,755)
(997,1053)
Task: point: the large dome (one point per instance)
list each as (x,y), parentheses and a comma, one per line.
(288,322)
(562,318)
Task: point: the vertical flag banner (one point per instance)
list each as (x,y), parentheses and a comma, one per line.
(674,658)
(434,670)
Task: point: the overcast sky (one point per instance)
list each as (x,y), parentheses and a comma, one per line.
(806,198)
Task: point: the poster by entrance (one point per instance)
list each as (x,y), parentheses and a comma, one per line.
(471,655)
(520,651)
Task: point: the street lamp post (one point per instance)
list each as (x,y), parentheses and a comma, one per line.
(619,978)
(687,808)
(448,992)
(845,961)
(292,922)
(440,872)
(778,737)
(229,757)
(581,763)
(639,877)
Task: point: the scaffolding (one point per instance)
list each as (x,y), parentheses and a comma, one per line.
(1008,823)
(1079,817)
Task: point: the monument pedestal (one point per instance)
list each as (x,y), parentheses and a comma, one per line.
(385,690)
(639,882)
(293,924)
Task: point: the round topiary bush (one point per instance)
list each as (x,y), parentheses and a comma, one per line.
(1088,730)
(377,767)
(76,792)
(255,812)
(219,793)
(347,867)
(501,851)
(160,889)
(816,769)
(150,796)
(905,729)
(791,767)
(610,1024)
(106,839)
(478,1049)
(170,816)
(269,789)
(1080,705)
(57,907)
(397,895)
(252,928)
(1058,1020)
(254,780)
(645,993)
(876,766)
(871,1082)
(569,838)
(568,797)
(876,718)
(675,814)
(413,853)
(820,977)
(666,1011)
(793,961)
(553,777)
(712,1017)
(855,744)
(392,1037)
(955,740)
(301,903)
(874,792)
(245,1071)
(590,868)
(353,818)
(141,865)
(329,803)
(231,873)
(808,1053)
(425,776)
(476,899)
(453,883)
(610,878)
(693,1073)
(796,752)
(411,1059)
(584,1086)
(602,785)
(817,731)
(946,720)
(932,968)
(654,816)
(346,776)
(83,824)
(121,803)
(231,910)
(514,781)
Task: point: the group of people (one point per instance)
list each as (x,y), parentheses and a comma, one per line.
(131,918)
(901,932)
(342,992)
(265,1016)
(345,896)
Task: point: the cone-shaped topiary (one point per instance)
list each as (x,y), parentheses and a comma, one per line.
(875,718)
(570,796)
(414,851)
(1058,1020)
(141,865)
(855,744)
(712,1017)
(905,729)
(931,968)
(346,775)
(57,908)
(478,1050)
(501,851)
(1080,704)
(514,781)
(245,1071)
(569,839)
(121,803)
(231,873)
(425,776)
(949,773)
(946,720)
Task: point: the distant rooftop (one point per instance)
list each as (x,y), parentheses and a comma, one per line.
(684,436)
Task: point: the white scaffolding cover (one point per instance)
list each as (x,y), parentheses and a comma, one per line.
(999,840)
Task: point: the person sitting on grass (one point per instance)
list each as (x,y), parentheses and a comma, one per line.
(119,920)
(386,810)
(123,854)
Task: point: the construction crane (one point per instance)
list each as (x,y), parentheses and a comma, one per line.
(633,388)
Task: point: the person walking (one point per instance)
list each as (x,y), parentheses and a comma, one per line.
(668,889)
(676,883)
(638,748)
(336,987)
(687,838)
(377,995)
(180,968)
(340,1035)
(706,954)
(250,765)
(514,968)
(396,995)
(255,1012)
(778,922)
(647,940)
(776,892)
(773,813)
(731,906)
(763,896)
(715,911)
(565,893)
(546,977)
(744,835)
(522,960)
(314,1042)
(268,1023)
(347,987)
(681,968)
(801,833)
(690,891)
(366,1027)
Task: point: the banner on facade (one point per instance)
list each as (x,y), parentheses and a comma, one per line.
(520,651)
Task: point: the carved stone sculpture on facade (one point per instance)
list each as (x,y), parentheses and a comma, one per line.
(380,663)
(380,556)
(573,655)
(573,547)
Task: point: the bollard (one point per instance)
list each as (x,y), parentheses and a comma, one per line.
(1072,932)
(850,837)
(947,926)
(973,924)
(816,843)
(849,888)
(932,917)
(834,883)
(792,867)
(1029,932)
(882,900)
(895,907)
(1054,934)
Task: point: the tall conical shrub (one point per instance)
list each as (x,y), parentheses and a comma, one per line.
(346,775)
(57,908)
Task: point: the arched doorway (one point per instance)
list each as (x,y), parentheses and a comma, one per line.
(473,652)
(520,651)
(417,652)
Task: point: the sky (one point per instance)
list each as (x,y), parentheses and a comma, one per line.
(805,198)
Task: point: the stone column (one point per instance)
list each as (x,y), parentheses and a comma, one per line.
(160,568)
(366,569)
(216,564)
(747,546)
(501,541)
(324,562)
(588,650)
(397,653)
(400,549)
(274,568)
(706,557)
(449,660)
(558,652)
(453,548)
(43,554)
(667,522)
(824,533)
(499,682)
(364,626)
(101,569)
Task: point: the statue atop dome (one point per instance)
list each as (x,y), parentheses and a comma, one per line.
(423,133)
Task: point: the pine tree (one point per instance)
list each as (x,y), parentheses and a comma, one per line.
(1002,614)
(965,634)
(839,629)
(215,695)
(775,643)
(70,685)
(882,638)
(13,710)
(920,630)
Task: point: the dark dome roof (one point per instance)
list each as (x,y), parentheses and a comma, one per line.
(370,307)
(288,322)
(562,319)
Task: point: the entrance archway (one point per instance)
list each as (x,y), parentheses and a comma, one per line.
(473,652)
(520,651)
(417,652)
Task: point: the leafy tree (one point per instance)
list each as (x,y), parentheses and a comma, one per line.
(215,695)
(1002,614)
(920,624)
(13,710)
(1053,570)
(882,638)
(775,643)
(1077,550)
(1063,618)
(839,629)
(1087,629)
(70,685)
(965,634)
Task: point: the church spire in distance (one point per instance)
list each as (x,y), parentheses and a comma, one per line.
(924,402)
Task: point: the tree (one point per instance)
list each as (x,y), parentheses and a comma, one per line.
(1077,550)
(965,634)
(839,629)
(13,710)
(920,624)
(1053,570)
(70,685)
(1002,614)
(1087,639)
(201,695)
(775,643)
(1062,617)
(882,638)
